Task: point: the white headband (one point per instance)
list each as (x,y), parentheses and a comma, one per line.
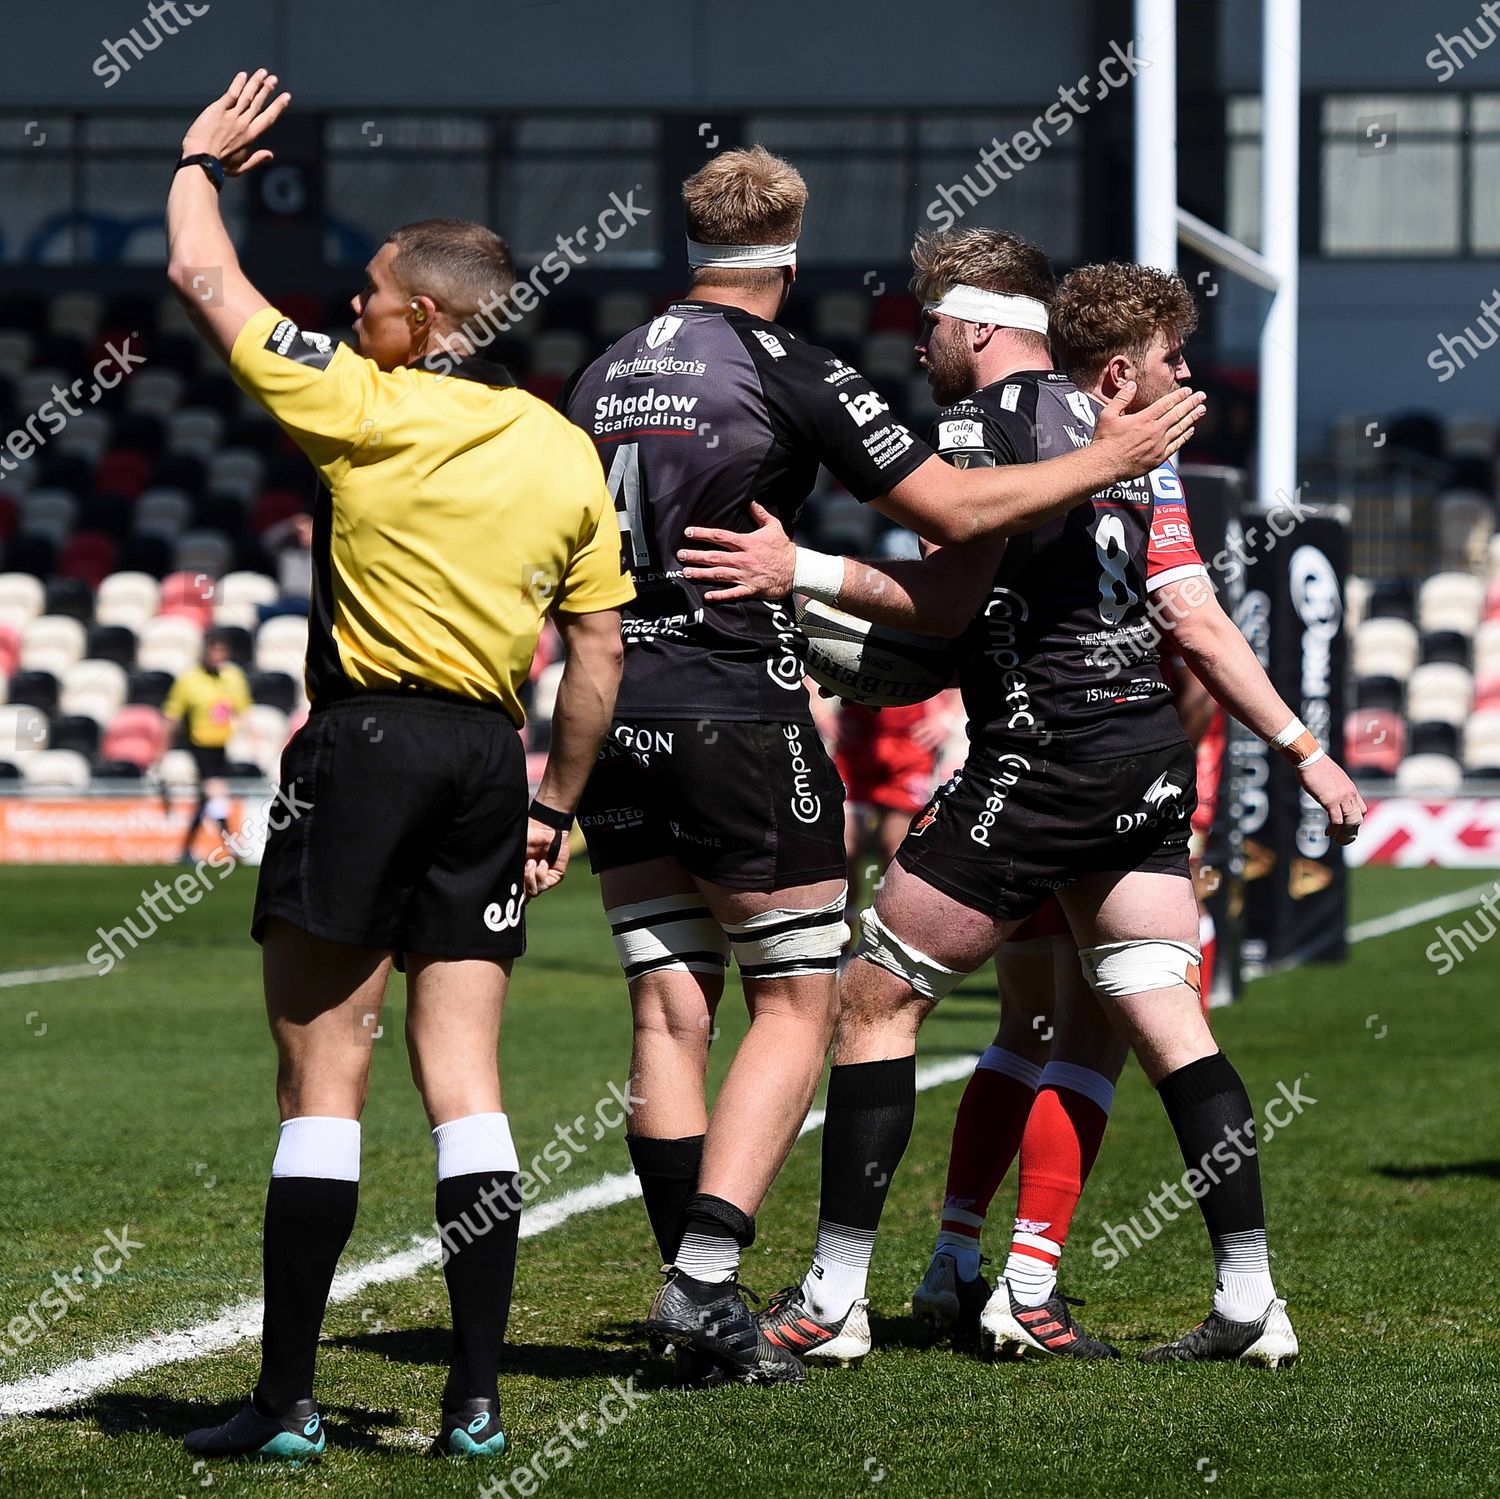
(972,304)
(741,257)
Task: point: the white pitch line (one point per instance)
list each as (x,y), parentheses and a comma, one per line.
(86,1376)
(1427,910)
(46,975)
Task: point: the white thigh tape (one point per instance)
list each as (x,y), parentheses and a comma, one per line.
(785,944)
(1120,969)
(879,945)
(676,932)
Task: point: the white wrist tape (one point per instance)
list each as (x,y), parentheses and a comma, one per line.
(1318,754)
(1295,728)
(817,576)
(1299,744)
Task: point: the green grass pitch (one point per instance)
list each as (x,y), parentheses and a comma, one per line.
(145,1099)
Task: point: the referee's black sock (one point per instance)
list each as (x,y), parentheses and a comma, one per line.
(310,1208)
(668,1172)
(1215,1126)
(479,1221)
(871,1106)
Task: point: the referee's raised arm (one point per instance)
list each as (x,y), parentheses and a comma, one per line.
(455,512)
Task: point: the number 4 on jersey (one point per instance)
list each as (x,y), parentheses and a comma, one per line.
(630,505)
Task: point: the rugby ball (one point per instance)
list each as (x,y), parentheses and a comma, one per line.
(870,664)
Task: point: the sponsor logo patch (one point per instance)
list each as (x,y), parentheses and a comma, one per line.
(960,435)
(288,340)
(770,343)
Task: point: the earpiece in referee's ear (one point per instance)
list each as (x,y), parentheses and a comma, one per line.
(419,312)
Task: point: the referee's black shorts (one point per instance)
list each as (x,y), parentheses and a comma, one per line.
(404,828)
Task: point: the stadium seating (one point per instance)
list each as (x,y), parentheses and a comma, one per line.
(141,523)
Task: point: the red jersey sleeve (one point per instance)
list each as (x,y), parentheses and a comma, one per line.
(1173,553)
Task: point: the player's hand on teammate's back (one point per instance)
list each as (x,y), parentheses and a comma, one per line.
(1329,785)
(756,564)
(1143,440)
(231,125)
(544,870)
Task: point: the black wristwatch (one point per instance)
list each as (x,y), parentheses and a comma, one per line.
(212,166)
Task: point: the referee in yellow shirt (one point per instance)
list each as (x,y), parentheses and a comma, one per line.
(455,513)
(211,696)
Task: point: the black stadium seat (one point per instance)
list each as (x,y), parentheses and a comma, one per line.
(75,733)
(111,643)
(240,642)
(36,555)
(180,471)
(1392,598)
(109,513)
(74,474)
(149,687)
(145,554)
(139,433)
(70,596)
(116,770)
(1445,645)
(273,688)
(1433,738)
(9,771)
(1379,694)
(37,689)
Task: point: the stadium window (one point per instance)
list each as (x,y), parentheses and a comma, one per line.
(1242,194)
(1393,178)
(559,173)
(1041,194)
(394,169)
(857,177)
(35,193)
(1484,174)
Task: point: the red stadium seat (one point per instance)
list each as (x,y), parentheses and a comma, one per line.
(138,735)
(88,556)
(273,506)
(10,650)
(546,385)
(896,312)
(1487,690)
(1374,740)
(190,594)
(123,472)
(304,310)
(1492,599)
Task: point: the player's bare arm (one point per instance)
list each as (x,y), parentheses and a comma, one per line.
(951,506)
(585,704)
(936,595)
(1223,661)
(201,261)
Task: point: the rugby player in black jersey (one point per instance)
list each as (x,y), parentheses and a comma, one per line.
(714,817)
(1079,778)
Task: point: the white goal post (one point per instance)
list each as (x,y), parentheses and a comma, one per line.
(1160,222)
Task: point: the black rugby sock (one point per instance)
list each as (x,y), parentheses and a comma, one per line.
(480,1223)
(308,1222)
(668,1172)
